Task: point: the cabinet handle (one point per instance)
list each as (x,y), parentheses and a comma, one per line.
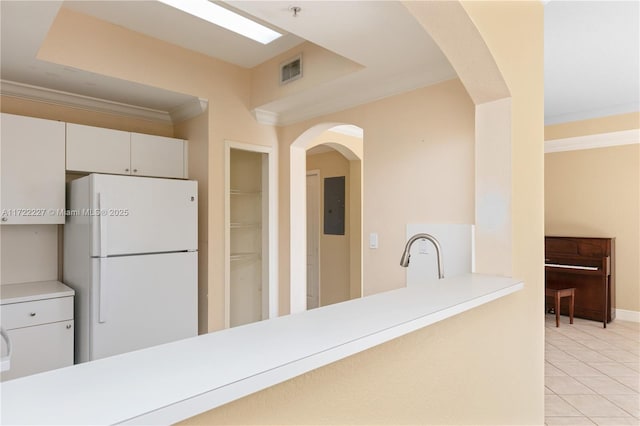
(135,170)
(68,326)
(32,314)
(126,170)
(5,362)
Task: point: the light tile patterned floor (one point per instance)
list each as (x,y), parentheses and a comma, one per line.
(592,374)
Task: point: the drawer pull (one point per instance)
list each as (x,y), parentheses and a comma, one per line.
(68,326)
(32,314)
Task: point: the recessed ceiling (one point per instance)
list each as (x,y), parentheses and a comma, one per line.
(23,27)
(591,52)
(180,28)
(398,59)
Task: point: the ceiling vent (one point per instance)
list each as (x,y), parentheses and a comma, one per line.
(291,70)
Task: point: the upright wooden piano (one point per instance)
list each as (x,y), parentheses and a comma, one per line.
(587,264)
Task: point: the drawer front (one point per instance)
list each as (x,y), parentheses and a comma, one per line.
(41,348)
(26,314)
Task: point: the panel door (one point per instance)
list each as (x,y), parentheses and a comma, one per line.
(40,348)
(99,150)
(157,156)
(32,170)
(143,301)
(144,215)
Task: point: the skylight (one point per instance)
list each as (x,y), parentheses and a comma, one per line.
(218,15)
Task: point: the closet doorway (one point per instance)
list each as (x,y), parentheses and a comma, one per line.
(250,243)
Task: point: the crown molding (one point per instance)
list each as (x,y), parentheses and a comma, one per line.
(189,109)
(267,117)
(57,97)
(601,140)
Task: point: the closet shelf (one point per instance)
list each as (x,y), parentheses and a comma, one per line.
(244,256)
(239,192)
(245,225)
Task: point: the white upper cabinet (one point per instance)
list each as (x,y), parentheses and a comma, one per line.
(32,157)
(158,156)
(98,150)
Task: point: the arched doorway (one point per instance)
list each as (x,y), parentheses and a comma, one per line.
(351,147)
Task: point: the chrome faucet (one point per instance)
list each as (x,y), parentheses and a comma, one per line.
(404,260)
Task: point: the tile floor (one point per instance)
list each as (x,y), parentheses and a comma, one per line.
(592,374)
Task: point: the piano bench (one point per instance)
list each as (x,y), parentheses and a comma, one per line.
(557,294)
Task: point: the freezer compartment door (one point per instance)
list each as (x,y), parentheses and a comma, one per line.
(142,301)
(142,215)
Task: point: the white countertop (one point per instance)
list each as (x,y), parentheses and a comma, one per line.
(175,381)
(27,292)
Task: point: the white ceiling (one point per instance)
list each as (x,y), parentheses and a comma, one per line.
(592,59)
(591,52)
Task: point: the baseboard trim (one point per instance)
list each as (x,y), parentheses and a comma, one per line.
(624,315)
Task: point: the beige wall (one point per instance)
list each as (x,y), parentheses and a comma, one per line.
(481,367)
(29,253)
(594,126)
(596,193)
(334,249)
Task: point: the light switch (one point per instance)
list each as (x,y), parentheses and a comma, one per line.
(423,246)
(373,240)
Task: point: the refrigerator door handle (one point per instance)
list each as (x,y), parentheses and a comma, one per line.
(102,207)
(102,292)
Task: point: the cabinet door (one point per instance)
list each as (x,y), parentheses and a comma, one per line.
(32,170)
(98,150)
(39,348)
(157,156)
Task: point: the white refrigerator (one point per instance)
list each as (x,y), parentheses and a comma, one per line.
(130,254)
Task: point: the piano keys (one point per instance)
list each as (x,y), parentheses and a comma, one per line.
(586,264)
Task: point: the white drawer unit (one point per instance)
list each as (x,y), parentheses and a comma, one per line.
(38,320)
(28,314)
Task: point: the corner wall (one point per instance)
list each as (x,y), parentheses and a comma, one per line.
(596,193)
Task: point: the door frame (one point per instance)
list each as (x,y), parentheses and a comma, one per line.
(316,173)
(269,232)
(353,150)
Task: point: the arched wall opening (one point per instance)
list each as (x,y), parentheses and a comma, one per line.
(352,149)
(487,89)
